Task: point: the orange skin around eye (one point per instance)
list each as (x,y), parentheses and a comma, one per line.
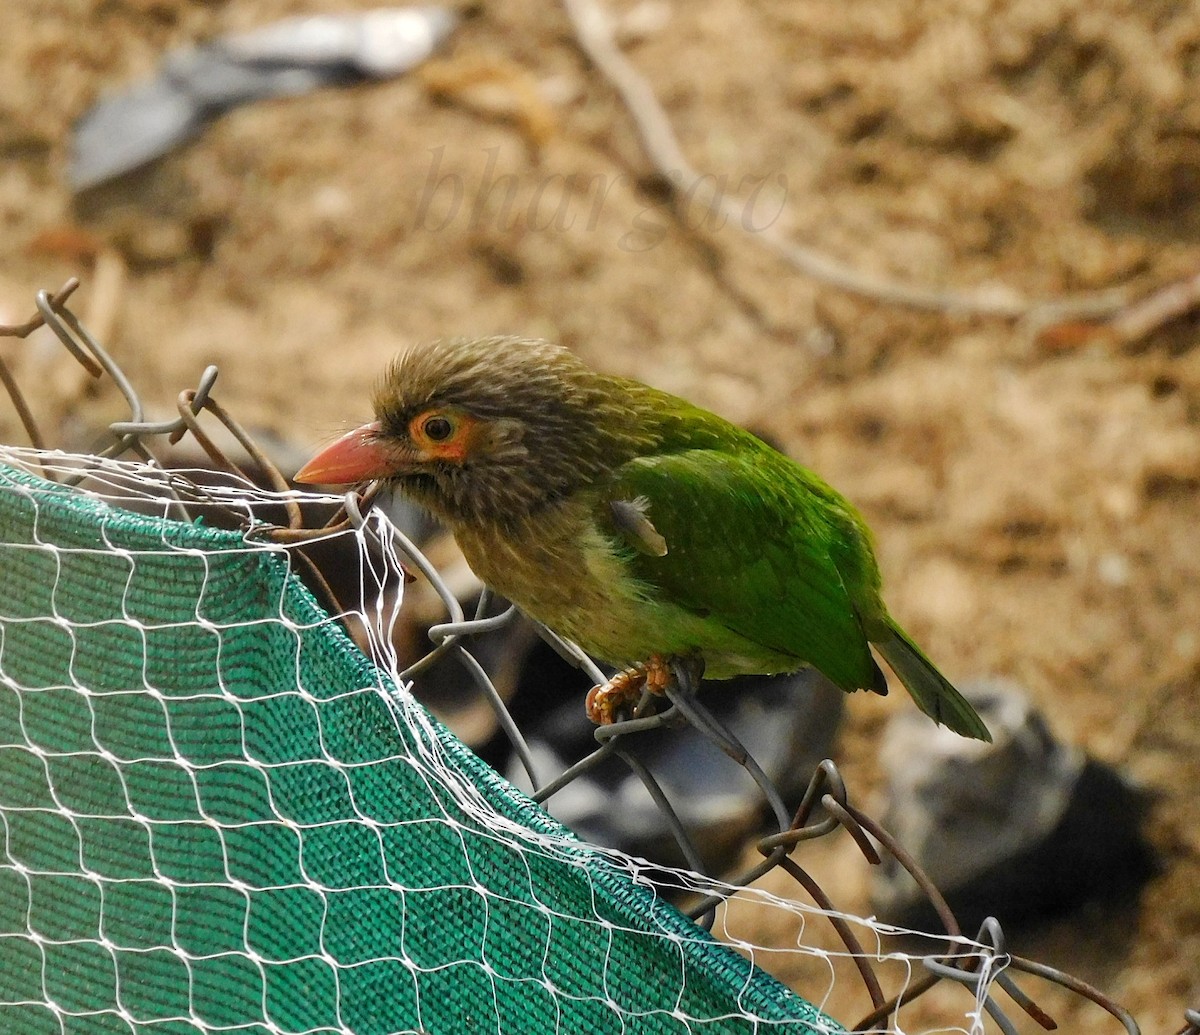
(455,448)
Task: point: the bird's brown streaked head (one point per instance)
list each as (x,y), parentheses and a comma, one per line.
(488,428)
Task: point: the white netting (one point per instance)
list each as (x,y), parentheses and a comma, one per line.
(207,829)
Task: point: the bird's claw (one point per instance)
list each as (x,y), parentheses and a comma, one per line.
(625,688)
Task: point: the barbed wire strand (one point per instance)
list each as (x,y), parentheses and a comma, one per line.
(826,789)
(446,637)
(24,413)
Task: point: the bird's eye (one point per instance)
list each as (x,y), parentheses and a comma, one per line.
(437,429)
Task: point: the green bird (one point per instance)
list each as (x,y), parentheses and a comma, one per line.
(638,525)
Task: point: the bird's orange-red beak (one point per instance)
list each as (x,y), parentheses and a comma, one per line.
(359,456)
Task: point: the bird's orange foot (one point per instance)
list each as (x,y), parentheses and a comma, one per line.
(625,688)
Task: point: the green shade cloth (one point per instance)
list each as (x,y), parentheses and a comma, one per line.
(219,816)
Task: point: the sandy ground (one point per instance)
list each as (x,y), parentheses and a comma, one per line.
(1036,500)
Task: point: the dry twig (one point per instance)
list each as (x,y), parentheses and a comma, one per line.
(1130,323)
(593,33)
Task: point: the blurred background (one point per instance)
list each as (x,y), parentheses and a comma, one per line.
(1035,490)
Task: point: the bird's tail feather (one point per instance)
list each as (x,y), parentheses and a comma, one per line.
(933,692)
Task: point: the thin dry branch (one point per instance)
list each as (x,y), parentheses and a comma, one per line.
(594,36)
(1131,323)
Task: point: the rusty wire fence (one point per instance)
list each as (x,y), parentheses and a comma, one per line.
(993,975)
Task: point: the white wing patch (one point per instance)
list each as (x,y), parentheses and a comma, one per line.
(631,520)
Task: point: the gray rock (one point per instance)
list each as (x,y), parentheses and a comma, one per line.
(1018,829)
(195,85)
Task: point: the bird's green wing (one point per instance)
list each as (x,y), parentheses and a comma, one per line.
(759,545)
